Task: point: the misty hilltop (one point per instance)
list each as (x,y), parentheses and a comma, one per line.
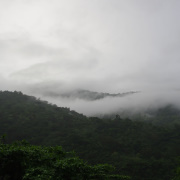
(91,102)
(85,94)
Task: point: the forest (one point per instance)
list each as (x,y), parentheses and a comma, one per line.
(139,149)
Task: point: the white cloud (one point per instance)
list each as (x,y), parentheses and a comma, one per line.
(99,45)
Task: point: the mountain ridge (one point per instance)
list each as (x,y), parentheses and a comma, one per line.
(86,94)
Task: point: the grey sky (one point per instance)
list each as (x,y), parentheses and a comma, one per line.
(99,45)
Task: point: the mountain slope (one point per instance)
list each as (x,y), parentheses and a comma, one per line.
(135,148)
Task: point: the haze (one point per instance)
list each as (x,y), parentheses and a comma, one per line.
(111,46)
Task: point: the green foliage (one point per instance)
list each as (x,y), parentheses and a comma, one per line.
(21,160)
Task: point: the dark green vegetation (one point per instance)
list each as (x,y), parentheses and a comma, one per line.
(138,149)
(23,161)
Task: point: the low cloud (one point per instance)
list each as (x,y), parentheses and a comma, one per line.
(132,103)
(100,46)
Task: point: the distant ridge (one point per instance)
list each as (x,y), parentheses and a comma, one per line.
(86,94)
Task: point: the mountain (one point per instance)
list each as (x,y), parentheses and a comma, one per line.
(85,94)
(167,115)
(136,148)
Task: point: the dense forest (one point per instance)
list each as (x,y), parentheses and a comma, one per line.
(22,161)
(146,149)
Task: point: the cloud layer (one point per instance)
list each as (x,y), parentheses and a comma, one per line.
(97,45)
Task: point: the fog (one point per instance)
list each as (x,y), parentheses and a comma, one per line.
(117,46)
(132,104)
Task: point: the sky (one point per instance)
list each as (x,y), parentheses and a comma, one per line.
(109,46)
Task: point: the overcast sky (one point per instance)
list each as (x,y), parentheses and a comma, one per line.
(100,45)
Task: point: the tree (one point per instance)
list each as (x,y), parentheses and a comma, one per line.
(22,161)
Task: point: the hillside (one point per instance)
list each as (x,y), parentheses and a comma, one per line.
(84,94)
(167,115)
(137,148)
